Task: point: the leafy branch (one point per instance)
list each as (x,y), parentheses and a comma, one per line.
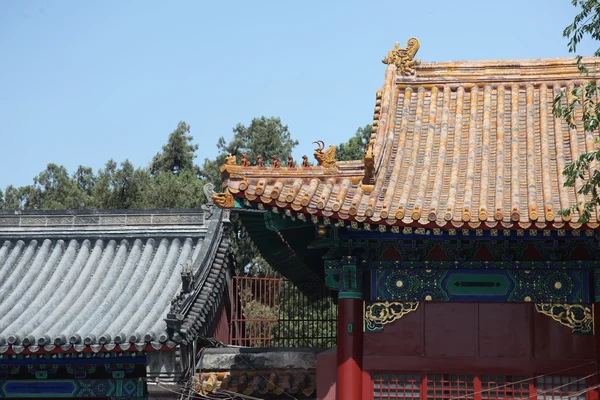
(580,105)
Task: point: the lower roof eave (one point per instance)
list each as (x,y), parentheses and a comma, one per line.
(410,225)
(83,349)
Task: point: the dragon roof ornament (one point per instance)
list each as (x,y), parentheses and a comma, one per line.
(325,158)
(404,58)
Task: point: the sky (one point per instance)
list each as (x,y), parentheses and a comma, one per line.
(82,82)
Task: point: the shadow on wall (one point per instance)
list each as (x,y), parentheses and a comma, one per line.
(326,374)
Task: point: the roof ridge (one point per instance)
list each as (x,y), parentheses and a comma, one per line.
(513,62)
(101,211)
(70,224)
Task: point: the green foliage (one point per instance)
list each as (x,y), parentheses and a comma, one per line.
(121,186)
(167,190)
(178,154)
(14,198)
(586,23)
(278,314)
(582,101)
(304,323)
(266,137)
(170,181)
(354,149)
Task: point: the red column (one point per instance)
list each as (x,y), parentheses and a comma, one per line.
(349,349)
(595,394)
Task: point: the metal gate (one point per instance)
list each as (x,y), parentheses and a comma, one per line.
(272,312)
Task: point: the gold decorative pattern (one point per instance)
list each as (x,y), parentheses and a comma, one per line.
(223,200)
(404,59)
(379,314)
(578,317)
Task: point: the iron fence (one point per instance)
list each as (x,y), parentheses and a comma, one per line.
(272,312)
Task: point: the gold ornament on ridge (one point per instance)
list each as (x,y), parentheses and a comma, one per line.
(404,58)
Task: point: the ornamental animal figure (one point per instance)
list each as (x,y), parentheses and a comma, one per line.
(305,162)
(369,177)
(259,161)
(291,163)
(325,158)
(403,59)
(223,200)
(245,162)
(276,163)
(230,160)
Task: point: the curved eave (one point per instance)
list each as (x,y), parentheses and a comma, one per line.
(458,145)
(288,251)
(327,215)
(83,349)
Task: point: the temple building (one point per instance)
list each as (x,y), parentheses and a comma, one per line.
(110,304)
(456,276)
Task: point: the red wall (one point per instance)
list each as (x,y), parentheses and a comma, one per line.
(467,338)
(481,338)
(220,325)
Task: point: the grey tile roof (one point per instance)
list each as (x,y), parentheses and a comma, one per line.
(100,286)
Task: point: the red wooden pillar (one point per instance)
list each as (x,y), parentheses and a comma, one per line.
(595,394)
(350,331)
(349,349)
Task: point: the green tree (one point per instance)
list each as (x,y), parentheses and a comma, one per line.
(167,190)
(266,137)
(13,198)
(54,189)
(178,154)
(121,186)
(170,181)
(354,149)
(582,173)
(175,179)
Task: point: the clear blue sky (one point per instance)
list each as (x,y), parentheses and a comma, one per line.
(85,81)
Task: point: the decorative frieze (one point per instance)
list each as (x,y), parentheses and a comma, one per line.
(382,313)
(494,285)
(578,317)
(106,388)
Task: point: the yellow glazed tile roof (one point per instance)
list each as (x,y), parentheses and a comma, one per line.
(470,144)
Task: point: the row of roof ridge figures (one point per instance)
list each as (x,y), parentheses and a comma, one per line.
(403,58)
(324,158)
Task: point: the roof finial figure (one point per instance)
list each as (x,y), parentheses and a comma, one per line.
(245,162)
(230,160)
(325,158)
(276,163)
(259,161)
(291,163)
(223,200)
(404,59)
(305,162)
